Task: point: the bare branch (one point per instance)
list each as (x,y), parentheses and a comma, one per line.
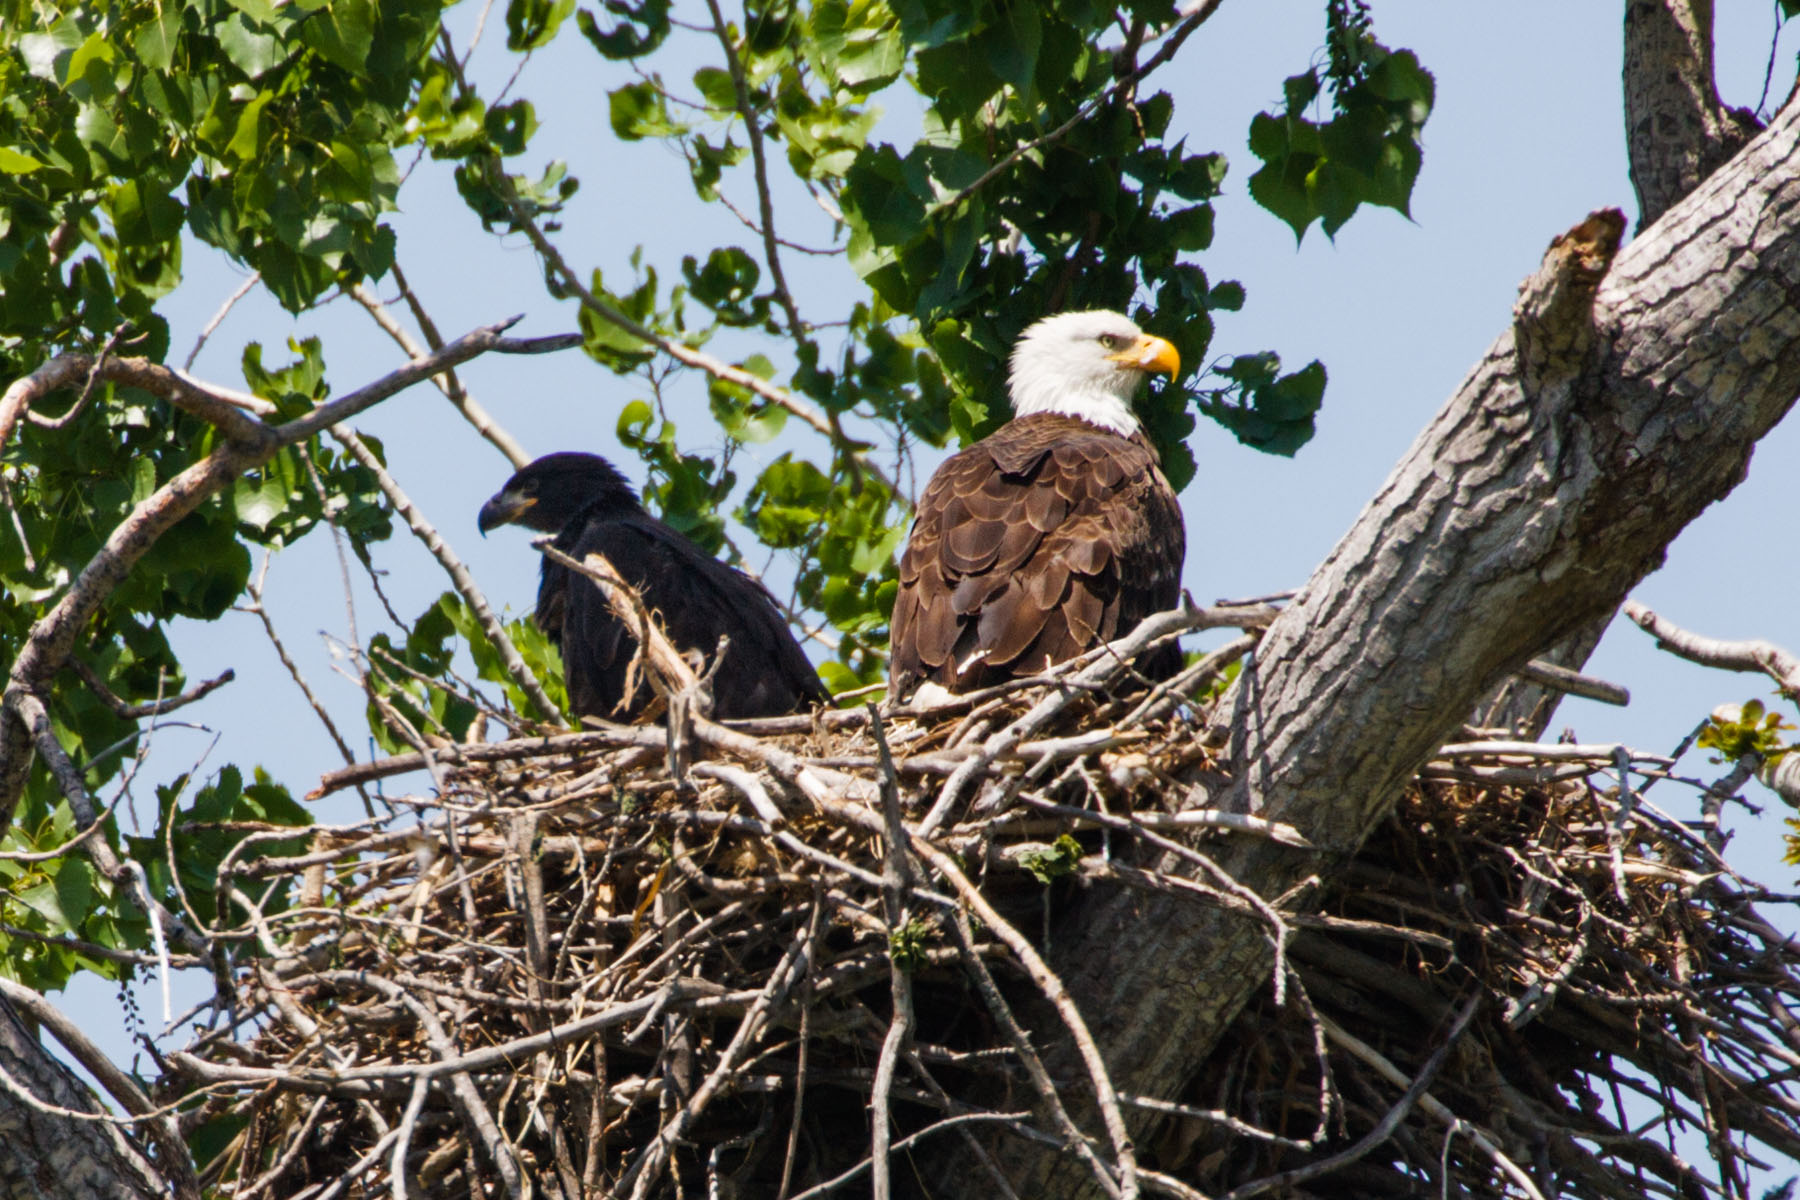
(154,708)
(453,567)
(216,405)
(679,351)
(248,444)
(1777,663)
(764,200)
(173,1156)
(464,348)
(1677,130)
(449,382)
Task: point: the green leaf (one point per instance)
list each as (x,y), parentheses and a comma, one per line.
(1048,862)
(17,162)
(640,29)
(717,88)
(634,423)
(46,54)
(247,141)
(638,111)
(883,195)
(259,501)
(533,23)
(74,889)
(155,43)
(1227,296)
(1272,412)
(1368,153)
(1191,228)
(342,33)
(90,63)
(254,51)
(1010,45)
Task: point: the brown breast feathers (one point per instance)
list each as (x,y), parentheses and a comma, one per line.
(1030,547)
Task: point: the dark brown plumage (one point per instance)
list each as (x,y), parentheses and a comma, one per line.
(1056,533)
(1030,547)
(591,508)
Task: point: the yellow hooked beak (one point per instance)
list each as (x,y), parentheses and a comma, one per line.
(1150,353)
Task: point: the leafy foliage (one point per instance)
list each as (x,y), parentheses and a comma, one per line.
(1735,730)
(1368,152)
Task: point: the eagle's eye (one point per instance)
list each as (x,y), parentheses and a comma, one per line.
(1112,341)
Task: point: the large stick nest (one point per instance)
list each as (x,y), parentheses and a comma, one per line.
(568,968)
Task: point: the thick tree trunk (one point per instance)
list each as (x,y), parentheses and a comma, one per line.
(1677,132)
(1676,129)
(47,1153)
(1586,439)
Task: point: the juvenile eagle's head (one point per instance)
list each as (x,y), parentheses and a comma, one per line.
(547,494)
(1087,365)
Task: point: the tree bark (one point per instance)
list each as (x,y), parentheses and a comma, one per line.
(1678,132)
(49,1153)
(1622,402)
(1676,128)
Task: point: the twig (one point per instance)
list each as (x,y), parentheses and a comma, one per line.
(896,881)
(1548,752)
(258,610)
(1368,1054)
(218,318)
(173,1155)
(449,382)
(1048,1097)
(1562,679)
(642,1174)
(1712,801)
(18,524)
(1104,665)
(63,419)
(154,708)
(403,1135)
(765,202)
(1053,990)
(1779,664)
(460,578)
(1384,1128)
(963,1120)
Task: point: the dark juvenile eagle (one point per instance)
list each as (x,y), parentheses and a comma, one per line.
(1054,534)
(589,506)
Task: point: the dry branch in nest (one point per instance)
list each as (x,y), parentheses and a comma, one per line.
(794,971)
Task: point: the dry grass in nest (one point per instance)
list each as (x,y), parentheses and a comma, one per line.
(567,968)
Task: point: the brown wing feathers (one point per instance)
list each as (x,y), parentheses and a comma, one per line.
(1030,547)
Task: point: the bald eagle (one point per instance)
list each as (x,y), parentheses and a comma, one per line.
(1054,534)
(589,506)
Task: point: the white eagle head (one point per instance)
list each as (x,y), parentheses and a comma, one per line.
(1087,365)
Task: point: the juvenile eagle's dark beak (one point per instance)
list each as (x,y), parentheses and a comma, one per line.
(503,509)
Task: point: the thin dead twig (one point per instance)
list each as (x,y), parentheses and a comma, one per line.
(460,578)
(450,383)
(1777,663)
